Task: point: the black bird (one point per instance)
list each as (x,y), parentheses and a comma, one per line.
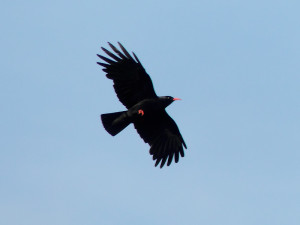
(146,110)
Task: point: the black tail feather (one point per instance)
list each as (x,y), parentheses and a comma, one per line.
(114,123)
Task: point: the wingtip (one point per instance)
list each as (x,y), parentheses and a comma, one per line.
(111,45)
(121,46)
(163,162)
(136,58)
(157,162)
(170,159)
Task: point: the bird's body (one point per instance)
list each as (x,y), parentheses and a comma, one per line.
(150,106)
(146,110)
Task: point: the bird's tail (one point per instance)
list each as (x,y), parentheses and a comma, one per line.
(114,123)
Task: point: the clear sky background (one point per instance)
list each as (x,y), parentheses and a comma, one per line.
(234,63)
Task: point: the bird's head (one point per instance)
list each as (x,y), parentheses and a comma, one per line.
(167,100)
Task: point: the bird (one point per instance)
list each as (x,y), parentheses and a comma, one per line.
(145,110)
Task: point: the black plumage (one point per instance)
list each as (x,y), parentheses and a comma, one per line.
(146,110)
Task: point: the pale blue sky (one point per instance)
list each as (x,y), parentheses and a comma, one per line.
(236,66)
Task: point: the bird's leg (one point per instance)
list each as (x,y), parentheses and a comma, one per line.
(141,112)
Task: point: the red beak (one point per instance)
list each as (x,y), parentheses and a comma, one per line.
(176,99)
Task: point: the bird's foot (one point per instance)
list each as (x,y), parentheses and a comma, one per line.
(141,112)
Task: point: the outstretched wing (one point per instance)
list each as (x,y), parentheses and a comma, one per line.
(162,134)
(131,82)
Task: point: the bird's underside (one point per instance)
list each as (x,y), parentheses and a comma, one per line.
(146,110)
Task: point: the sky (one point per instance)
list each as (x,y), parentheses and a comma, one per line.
(234,63)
